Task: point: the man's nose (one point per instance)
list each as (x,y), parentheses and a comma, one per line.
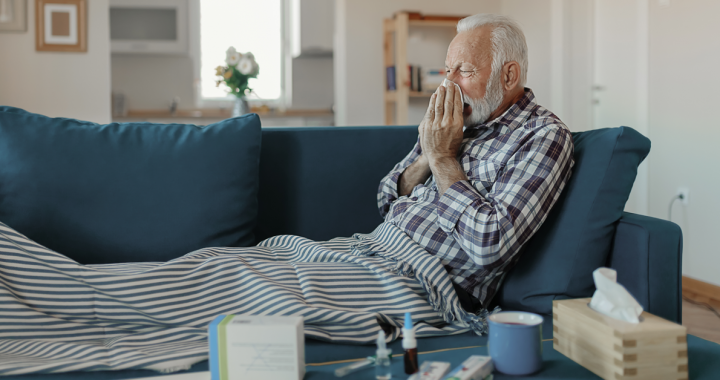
(452,75)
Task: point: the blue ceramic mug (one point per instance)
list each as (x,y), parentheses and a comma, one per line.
(515,342)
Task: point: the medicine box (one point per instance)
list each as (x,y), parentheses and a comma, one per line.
(431,371)
(476,367)
(257,347)
(654,349)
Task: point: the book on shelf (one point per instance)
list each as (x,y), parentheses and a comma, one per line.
(390,75)
(415,75)
(418,79)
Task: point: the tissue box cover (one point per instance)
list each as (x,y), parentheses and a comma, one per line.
(256,347)
(655,348)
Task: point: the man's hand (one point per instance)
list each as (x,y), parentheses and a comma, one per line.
(419,171)
(441,132)
(441,135)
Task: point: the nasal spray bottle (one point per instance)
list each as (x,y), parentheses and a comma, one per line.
(382,359)
(409,344)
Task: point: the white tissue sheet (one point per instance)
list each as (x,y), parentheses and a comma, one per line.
(446,83)
(612,299)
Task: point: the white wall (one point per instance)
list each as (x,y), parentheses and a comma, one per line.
(152,81)
(621,77)
(312,83)
(684,57)
(359,69)
(73,85)
(571,71)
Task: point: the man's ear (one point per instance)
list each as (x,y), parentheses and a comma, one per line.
(511,75)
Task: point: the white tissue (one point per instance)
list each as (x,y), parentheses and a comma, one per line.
(612,299)
(447,82)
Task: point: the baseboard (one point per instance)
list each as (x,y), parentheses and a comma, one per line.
(700,291)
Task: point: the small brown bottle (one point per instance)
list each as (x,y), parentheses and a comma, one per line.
(409,344)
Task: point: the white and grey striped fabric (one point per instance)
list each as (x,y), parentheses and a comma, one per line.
(57,315)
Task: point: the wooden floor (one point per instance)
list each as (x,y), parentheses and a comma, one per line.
(701,322)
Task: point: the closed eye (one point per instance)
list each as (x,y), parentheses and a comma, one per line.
(462,72)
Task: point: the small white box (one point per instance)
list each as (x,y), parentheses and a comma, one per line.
(257,347)
(431,371)
(476,367)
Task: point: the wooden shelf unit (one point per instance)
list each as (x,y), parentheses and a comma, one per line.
(395,38)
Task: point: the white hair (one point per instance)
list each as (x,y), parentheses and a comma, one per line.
(508,41)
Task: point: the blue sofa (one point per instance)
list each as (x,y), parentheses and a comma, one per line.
(321,183)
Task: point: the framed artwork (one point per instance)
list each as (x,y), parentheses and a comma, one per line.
(13,15)
(61,25)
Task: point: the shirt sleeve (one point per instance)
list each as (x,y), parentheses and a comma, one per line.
(388,189)
(490,227)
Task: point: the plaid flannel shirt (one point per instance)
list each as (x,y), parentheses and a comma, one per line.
(516,165)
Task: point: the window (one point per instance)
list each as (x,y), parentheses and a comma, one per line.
(250,26)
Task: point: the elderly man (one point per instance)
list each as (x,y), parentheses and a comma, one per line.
(488,165)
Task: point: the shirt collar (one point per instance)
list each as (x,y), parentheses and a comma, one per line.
(515,115)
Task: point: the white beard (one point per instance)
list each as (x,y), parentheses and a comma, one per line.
(482,108)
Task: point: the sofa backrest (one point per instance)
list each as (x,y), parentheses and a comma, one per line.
(321,182)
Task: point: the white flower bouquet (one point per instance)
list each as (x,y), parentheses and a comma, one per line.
(240,68)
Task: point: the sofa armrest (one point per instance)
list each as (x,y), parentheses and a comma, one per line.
(647,254)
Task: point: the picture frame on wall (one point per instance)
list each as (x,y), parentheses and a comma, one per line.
(13,15)
(61,25)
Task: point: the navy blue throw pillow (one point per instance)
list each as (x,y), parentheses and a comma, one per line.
(130,191)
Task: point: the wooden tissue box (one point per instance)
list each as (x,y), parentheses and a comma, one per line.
(655,348)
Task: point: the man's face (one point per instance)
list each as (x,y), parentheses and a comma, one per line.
(469,64)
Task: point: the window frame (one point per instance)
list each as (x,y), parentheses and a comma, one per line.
(285,99)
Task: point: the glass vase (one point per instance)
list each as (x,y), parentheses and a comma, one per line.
(240,107)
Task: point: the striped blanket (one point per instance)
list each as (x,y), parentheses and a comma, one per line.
(57,315)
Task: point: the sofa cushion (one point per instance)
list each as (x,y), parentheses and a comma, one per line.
(576,237)
(129,191)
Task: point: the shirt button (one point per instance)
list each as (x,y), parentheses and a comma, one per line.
(469,173)
(413,199)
